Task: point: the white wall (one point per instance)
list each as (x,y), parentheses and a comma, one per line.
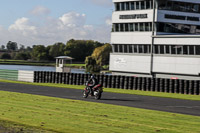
(177,40)
(176,65)
(27,76)
(131,37)
(130,63)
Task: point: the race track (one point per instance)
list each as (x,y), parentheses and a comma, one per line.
(146,102)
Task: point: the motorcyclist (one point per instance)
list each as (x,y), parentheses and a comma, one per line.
(92,82)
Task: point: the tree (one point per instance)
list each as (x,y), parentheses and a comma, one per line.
(3,47)
(5,56)
(91,65)
(12,46)
(39,53)
(22,47)
(80,49)
(98,59)
(22,56)
(56,50)
(102,54)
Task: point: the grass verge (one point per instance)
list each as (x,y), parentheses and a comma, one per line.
(135,92)
(46,114)
(34,63)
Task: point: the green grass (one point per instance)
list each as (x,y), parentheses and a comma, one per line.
(39,113)
(136,92)
(34,63)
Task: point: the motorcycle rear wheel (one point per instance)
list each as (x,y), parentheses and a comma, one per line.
(98,95)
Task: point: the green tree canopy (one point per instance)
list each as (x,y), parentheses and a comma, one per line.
(56,50)
(91,65)
(12,46)
(80,49)
(5,56)
(2,47)
(22,56)
(39,53)
(102,54)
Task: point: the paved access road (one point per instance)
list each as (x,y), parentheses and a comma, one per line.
(145,102)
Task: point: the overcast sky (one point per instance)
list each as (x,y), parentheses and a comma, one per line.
(33,22)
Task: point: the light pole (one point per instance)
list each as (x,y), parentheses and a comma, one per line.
(152,41)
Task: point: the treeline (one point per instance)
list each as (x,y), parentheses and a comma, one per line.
(78,49)
(93,53)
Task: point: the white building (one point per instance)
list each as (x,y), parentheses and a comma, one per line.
(159,38)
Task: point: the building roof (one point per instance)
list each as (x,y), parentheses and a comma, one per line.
(64,57)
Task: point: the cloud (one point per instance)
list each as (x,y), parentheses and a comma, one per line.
(108,20)
(105,3)
(67,26)
(40,10)
(22,25)
(73,19)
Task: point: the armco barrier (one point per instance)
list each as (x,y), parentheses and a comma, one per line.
(9,74)
(18,75)
(123,82)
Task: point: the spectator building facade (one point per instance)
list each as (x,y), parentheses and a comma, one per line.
(159,38)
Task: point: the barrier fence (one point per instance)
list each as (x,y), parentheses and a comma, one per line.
(122,82)
(17,75)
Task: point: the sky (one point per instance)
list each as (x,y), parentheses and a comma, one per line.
(45,22)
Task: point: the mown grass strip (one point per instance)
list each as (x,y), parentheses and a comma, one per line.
(49,114)
(22,62)
(135,92)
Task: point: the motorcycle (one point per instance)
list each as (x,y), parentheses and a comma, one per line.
(97,91)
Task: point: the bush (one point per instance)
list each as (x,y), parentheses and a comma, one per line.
(91,65)
(5,56)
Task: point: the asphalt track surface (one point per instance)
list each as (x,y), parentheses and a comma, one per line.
(188,107)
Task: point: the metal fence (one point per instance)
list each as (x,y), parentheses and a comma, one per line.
(191,87)
(123,82)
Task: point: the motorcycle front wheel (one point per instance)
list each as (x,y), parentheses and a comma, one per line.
(85,93)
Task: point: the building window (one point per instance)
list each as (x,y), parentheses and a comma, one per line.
(146,49)
(185,50)
(126,27)
(137,5)
(197,50)
(191,50)
(177,49)
(131,27)
(148,4)
(136,27)
(117,6)
(120,49)
(177,28)
(122,6)
(115,48)
(167,49)
(162,49)
(130,48)
(125,48)
(127,6)
(134,5)
(122,27)
(157,49)
(141,26)
(116,27)
(142,5)
(178,6)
